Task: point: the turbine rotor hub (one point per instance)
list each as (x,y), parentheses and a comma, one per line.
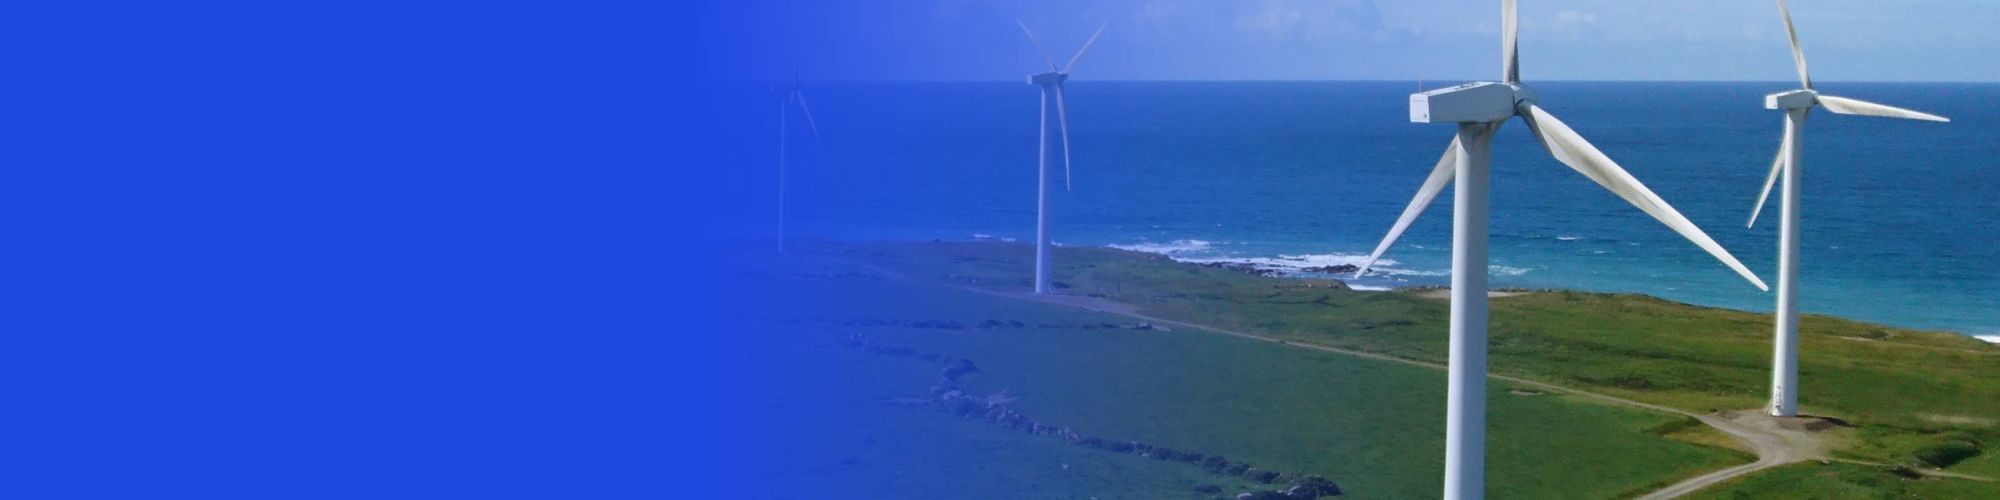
(1477,102)
(1796,99)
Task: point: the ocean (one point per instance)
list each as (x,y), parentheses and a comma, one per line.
(1900,222)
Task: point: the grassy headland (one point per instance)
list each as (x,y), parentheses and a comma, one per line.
(1925,399)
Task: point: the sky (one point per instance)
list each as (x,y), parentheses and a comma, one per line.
(1442,40)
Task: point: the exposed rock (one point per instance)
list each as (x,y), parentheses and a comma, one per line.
(1312,486)
(1241,268)
(946,396)
(1260,475)
(962,407)
(942,387)
(1334,269)
(994,323)
(959,367)
(945,324)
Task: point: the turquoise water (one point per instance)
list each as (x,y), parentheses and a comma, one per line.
(1900,220)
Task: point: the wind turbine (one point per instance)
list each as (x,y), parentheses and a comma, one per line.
(1480,109)
(790,92)
(1797,104)
(1052,97)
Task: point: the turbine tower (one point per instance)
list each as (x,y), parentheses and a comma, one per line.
(1052,97)
(789,93)
(1797,104)
(1480,109)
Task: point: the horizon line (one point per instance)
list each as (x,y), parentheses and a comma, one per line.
(1353,80)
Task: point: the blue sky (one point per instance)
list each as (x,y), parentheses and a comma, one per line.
(1444,40)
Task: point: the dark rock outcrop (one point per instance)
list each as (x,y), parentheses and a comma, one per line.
(946,396)
(959,368)
(1334,269)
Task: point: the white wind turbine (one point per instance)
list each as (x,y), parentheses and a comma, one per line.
(1797,104)
(1479,109)
(1052,98)
(789,93)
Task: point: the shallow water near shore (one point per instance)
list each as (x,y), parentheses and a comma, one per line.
(1899,226)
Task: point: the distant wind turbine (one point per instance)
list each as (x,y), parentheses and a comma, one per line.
(1052,98)
(1480,109)
(789,93)
(1797,104)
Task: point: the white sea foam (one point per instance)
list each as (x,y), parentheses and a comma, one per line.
(1365,288)
(1290,263)
(1566,237)
(1989,338)
(1507,270)
(1168,248)
(1206,252)
(981,236)
(1303,262)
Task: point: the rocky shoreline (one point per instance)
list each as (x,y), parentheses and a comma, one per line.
(946,396)
(1254,269)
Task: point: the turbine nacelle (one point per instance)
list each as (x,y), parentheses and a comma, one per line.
(1477,102)
(1049,78)
(1796,99)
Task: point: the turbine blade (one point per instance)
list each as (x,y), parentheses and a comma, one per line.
(1510,47)
(1777,165)
(1440,176)
(1086,46)
(1798,55)
(1038,44)
(1847,106)
(1571,149)
(1062,118)
(810,124)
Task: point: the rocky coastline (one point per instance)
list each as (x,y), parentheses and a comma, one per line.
(946,396)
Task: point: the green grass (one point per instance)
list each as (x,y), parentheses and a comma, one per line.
(1375,427)
(1813,480)
(1909,392)
(825,432)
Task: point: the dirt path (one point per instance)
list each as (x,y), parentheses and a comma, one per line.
(1773,444)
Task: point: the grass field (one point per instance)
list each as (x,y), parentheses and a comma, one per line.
(1915,398)
(1813,480)
(823,431)
(1374,427)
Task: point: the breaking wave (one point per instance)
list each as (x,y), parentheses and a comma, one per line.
(1168,248)
(1205,252)
(1989,338)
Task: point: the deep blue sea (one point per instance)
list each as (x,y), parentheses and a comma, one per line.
(1901,219)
